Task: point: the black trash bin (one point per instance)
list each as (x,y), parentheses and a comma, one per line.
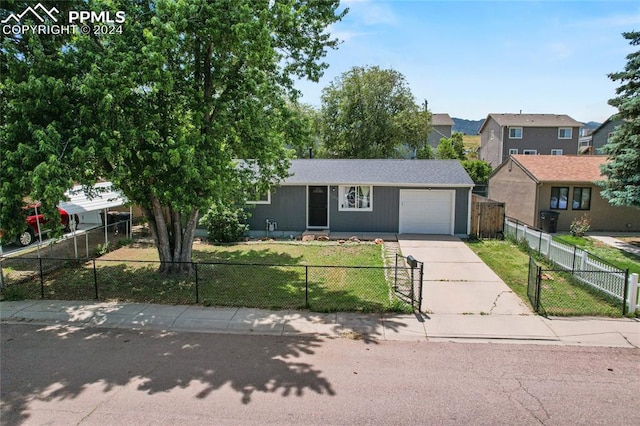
(549,221)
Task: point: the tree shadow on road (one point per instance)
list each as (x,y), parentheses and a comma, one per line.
(56,364)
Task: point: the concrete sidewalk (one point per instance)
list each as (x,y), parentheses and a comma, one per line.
(448,327)
(464,301)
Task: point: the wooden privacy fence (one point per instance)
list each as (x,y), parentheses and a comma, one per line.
(487,217)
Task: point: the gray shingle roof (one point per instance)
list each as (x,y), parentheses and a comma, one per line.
(441,120)
(535,120)
(378,172)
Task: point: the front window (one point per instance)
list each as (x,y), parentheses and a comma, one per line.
(530,152)
(581,199)
(515,132)
(556,152)
(356,197)
(559,197)
(513,151)
(565,133)
(256,196)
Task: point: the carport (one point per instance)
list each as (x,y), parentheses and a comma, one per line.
(88,206)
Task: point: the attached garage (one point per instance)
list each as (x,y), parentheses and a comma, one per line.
(426,211)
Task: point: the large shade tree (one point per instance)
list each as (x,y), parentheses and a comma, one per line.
(165,109)
(622,187)
(369,112)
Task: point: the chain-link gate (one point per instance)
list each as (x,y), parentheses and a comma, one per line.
(407,282)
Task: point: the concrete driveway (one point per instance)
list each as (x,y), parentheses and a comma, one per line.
(456,281)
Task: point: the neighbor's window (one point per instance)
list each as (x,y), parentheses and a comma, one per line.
(259,197)
(559,197)
(556,152)
(565,133)
(581,199)
(515,132)
(356,197)
(530,152)
(513,151)
(609,136)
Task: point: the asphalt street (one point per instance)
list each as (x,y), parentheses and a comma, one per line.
(60,374)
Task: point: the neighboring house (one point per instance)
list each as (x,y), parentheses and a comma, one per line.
(442,128)
(564,184)
(502,135)
(390,196)
(599,137)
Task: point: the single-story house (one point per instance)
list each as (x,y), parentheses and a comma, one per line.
(530,184)
(385,196)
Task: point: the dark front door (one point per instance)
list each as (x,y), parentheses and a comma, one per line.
(318,206)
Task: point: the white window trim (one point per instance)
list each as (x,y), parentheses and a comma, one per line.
(341,195)
(513,151)
(516,137)
(557,152)
(569,129)
(267,201)
(530,151)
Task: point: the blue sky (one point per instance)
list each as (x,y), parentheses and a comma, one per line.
(472,58)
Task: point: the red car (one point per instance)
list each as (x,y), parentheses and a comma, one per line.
(29,235)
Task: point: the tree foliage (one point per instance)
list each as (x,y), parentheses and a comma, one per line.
(368,112)
(478,170)
(622,187)
(164,109)
(451,148)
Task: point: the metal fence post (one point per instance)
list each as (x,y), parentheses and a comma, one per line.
(306,287)
(538,287)
(625,292)
(195,265)
(420,287)
(395,280)
(41,279)
(95,278)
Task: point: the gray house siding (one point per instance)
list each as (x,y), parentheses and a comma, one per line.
(491,142)
(289,208)
(541,139)
(601,135)
(437,133)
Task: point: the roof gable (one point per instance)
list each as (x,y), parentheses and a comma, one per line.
(378,172)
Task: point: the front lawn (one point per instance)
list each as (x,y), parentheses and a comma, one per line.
(616,257)
(321,276)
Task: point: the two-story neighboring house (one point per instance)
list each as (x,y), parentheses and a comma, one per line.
(599,137)
(442,128)
(502,135)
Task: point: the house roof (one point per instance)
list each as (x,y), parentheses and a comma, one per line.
(532,120)
(561,168)
(441,120)
(378,172)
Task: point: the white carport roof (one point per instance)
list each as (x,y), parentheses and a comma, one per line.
(104,198)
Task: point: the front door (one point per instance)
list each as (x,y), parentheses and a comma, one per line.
(318,206)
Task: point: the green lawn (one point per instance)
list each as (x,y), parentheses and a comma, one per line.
(561,295)
(612,255)
(347,277)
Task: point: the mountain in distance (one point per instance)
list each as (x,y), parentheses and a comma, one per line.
(471,127)
(468,127)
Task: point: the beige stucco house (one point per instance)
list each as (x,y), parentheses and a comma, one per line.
(529,184)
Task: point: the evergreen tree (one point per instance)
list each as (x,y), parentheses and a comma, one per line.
(622,187)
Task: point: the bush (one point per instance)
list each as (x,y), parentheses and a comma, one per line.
(580,226)
(225,224)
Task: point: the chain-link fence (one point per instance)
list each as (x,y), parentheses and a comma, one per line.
(559,292)
(267,286)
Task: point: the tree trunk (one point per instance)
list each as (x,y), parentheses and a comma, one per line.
(173,241)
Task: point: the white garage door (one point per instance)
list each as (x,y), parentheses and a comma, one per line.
(426,212)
